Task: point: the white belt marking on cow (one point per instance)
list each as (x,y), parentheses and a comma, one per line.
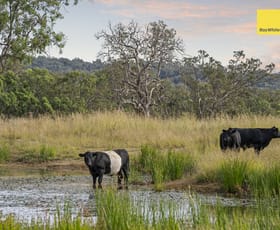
(116,162)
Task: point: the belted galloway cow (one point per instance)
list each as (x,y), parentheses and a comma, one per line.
(115,162)
(258,138)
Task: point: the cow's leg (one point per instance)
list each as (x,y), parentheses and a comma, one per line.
(120,177)
(257,150)
(236,147)
(125,171)
(100,178)
(94,181)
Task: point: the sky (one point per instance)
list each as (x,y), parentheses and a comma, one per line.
(218,27)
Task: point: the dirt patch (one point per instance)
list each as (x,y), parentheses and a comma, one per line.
(76,166)
(57,167)
(190,183)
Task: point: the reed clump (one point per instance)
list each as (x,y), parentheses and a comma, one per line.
(165,166)
(233,174)
(117,210)
(266,181)
(245,176)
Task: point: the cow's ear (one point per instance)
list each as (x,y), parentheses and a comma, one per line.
(93,154)
(81,154)
(274,128)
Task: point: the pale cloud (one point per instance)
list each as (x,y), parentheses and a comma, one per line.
(267,51)
(188,16)
(170,9)
(241,28)
(272,54)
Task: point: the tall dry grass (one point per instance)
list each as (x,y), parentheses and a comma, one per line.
(107,130)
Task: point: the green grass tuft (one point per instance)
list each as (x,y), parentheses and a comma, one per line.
(4,153)
(46,153)
(233,174)
(165,166)
(266,182)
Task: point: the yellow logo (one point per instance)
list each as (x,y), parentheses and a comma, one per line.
(268,21)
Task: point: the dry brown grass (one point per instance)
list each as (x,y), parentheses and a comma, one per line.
(106,130)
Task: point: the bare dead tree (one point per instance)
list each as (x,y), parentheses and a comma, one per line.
(141,52)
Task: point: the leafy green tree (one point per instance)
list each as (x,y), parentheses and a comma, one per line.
(22,94)
(8,94)
(74,92)
(40,83)
(140,52)
(175,101)
(37,91)
(108,94)
(27,28)
(215,89)
(263,102)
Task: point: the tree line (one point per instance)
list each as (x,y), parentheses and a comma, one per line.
(204,92)
(136,73)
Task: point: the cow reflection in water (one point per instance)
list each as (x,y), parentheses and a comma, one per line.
(115,162)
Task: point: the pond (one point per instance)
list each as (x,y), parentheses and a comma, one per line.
(42,195)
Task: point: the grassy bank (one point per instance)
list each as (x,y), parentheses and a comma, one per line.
(66,136)
(179,146)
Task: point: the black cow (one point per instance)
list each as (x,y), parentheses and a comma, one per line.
(230,139)
(115,162)
(258,138)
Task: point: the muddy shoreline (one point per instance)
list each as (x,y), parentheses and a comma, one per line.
(61,167)
(77,167)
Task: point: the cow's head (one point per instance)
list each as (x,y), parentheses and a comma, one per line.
(88,157)
(225,139)
(275,132)
(228,137)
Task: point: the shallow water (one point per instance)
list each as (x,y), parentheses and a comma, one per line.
(41,196)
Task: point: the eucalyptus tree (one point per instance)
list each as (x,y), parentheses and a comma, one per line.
(215,89)
(27,28)
(141,52)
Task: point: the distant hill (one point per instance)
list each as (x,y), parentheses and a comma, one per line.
(63,65)
(272,82)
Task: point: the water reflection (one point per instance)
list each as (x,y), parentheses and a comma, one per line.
(42,195)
